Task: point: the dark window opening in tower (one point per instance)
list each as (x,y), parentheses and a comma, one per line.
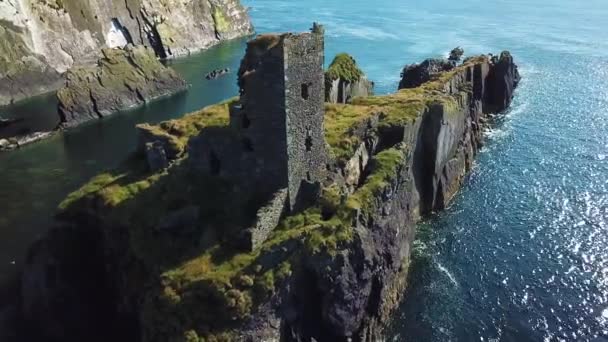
(308,143)
(308,177)
(306,90)
(246,122)
(214,164)
(247,145)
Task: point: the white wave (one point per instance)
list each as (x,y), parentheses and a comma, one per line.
(363,32)
(447,273)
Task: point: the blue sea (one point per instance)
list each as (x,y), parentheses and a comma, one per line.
(522,252)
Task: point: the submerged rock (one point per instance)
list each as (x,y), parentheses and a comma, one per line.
(70,33)
(217,73)
(123,78)
(344,80)
(22,140)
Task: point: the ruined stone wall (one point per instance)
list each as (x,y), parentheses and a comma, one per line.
(305,91)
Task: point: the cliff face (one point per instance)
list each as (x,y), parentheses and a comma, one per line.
(121,79)
(332,272)
(41,39)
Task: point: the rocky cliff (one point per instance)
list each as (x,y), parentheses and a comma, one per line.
(344,80)
(334,271)
(40,39)
(123,78)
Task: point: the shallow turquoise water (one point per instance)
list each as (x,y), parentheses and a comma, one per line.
(521,254)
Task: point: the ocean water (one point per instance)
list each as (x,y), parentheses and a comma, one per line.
(520,255)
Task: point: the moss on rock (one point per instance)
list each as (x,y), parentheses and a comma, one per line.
(344,67)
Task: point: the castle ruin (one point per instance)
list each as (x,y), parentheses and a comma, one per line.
(274,147)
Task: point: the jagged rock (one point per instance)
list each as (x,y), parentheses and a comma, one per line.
(502,80)
(72,32)
(414,75)
(156,156)
(344,80)
(456,54)
(122,79)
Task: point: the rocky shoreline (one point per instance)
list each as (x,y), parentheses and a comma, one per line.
(333,270)
(71,33)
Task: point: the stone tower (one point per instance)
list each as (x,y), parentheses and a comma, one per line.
(280,116)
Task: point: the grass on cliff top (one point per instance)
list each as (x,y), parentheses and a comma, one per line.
(179,131)
(397,109)
(344,66)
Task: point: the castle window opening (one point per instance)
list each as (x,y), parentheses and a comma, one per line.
(308,177)
(308,143)
(306,90)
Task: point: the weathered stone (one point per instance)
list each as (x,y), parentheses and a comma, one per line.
(275,139)
(156,156)
(267,218)
(122,79)
(71,33)
(344,80)
(414,75)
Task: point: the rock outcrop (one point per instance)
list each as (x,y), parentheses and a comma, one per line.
(414,75)
(344,80)
(39,40)
(123,78)
(333,271)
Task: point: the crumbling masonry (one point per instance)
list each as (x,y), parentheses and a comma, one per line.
(274,148)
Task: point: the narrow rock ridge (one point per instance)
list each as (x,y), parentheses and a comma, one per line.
(39,40)
(332,272)
(122,79)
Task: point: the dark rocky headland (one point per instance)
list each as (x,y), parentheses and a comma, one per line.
(272,216)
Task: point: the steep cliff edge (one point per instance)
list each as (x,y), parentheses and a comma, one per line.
(39,40)
(159,244)
(123,78)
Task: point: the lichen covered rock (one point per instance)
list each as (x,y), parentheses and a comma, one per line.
(123,78)
(39,40)
(344,80)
